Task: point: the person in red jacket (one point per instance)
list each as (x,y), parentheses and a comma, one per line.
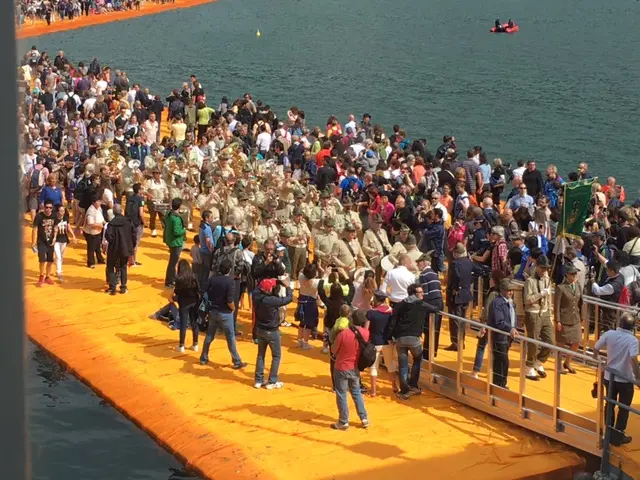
(346,350)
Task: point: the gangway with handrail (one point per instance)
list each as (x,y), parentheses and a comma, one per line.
(560,406)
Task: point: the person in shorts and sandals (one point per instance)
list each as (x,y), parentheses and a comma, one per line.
(42,241)
(378,318)
(307,310)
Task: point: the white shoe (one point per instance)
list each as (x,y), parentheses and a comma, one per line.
(180,349)
(190,226)
(306,346)
(257,385)
(474,374)
(273,386)
(154,233)
(300,343)
(532,374)
(195,348)
(325,349)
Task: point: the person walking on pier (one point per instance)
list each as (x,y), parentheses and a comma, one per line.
(221,294)
(537,311)
(502,315)
(121,240)
(266,307)
(621,345)
(174,233)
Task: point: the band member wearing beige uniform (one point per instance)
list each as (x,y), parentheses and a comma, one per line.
(347,253)
(375,245)
(323,243)
(298,243)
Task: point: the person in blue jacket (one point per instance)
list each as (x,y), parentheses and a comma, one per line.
(433,238)
(502,316)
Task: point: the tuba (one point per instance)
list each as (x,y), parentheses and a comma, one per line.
(233,152)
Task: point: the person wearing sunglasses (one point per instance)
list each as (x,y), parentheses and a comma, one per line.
(42,242)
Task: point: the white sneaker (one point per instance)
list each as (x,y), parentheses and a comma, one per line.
(273,386)
(474,374)
(154,233)
(325,349)
(190,226)
(257,385)
(195,348)
(532,374)
(300,343)
(180,349)
(306,346)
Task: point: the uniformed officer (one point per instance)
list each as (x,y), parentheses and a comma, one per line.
(375,245)
(323,242)
(322,211)
(266,230)
(347,253)
(298,243)
(348,216)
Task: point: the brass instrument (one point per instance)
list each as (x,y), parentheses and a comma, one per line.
(233,151)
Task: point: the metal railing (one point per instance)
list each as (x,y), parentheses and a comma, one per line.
(606,466)
(515,405)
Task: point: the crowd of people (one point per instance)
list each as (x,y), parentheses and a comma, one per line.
(29,11)
(374,231)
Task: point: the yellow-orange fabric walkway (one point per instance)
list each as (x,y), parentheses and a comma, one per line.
(40,27)
(212,418)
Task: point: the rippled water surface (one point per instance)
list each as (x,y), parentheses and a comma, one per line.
(76,435)
(564,89)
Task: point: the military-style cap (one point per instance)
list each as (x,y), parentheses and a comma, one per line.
(325,194)
(411,240)
(347,202)
(298,194)
(377,219)
(266,215)
(286,232)
(297,211)
(349,227)
(404,227)
(273,203)
(306,176)
(329,222)
(242,197)
(247,168)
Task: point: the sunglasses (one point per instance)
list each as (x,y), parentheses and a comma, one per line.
(48,208)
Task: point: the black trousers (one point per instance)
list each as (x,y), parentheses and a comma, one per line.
(117,266)
(458,311)
(623,393)
(93,249)
(500,363)
(174,256)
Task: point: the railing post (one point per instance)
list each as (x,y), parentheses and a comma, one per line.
(586,321)
(599,381)
(432,344)
(460,354)
(521,387)
(556,389)
(489,347)
(596,327)
(604,467)
(480,296)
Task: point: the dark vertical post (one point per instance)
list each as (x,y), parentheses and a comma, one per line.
(13,434)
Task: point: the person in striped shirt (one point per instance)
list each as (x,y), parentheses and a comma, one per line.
(432,289)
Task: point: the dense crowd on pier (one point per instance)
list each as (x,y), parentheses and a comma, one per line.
(51,11)
(377,232)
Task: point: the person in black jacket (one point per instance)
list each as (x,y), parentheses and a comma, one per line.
(121,238)
(187,294)
(266,305)
(502,315)
(532,178)
(405,328)
(267,264)
(458,293)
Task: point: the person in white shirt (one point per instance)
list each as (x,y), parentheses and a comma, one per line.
(435,199)
(150,128)
(263,140)
(351,123)
(93,224)
(621,345)
(397,281)
(519,170)
(157,192)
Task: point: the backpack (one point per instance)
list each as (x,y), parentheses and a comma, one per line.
(368,352)
(132,212)
(36,181)
(223,233)
(351,190)
(625,296)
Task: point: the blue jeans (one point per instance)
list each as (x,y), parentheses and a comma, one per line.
(272,339)
(482,344)
(225,322)
(343,380)
(174,256)
(188,317)
(404,345)
(205,268)
(169,310)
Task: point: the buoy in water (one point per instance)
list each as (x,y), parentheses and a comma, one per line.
(258,34)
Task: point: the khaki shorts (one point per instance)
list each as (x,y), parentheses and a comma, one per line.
(390,355)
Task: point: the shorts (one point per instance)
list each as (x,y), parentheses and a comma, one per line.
(45,253)
(390,355)
(33,202)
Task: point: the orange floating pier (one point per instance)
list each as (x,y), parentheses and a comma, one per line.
(213,419)
(40,27)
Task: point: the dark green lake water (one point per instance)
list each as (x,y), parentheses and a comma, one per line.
(75,435)
(564,89)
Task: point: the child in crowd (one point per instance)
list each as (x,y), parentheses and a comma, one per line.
(342,323)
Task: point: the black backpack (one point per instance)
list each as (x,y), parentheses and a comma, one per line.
(368,352)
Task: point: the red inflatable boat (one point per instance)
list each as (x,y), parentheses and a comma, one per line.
(513,29)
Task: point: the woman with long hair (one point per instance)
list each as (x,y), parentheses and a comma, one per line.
(186,294)
(363,296)
(307,309)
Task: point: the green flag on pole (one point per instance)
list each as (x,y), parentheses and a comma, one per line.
(575,208)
